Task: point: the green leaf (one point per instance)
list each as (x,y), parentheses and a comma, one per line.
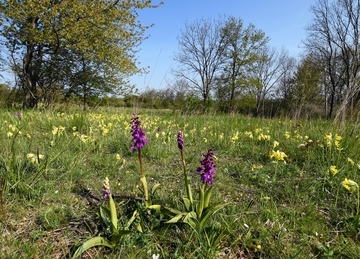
(207,197)
(95,241)
(113,214)
(168,211)
(207,213)
(105,216)
(191,219)
(131,220)
(176,218)
(187,204)
(155,207)
(200,205)
(154,188)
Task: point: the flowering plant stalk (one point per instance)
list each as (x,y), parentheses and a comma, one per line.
(189,200)
(352,186)
(198,212)
(139,141)
(109,219)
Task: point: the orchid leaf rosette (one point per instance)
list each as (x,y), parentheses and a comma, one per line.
(108,216)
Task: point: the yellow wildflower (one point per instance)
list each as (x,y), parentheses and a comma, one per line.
(275,144)
(350,185)
(235,137)
(118,157)
(254,167)
(328,139)
(249,134)
(84,138)
(287,135)
(278,155)
(350,161)
(263,137)
(57,130)
(338,138)
(34,159)
(333,170)
(12,128)
(10,134)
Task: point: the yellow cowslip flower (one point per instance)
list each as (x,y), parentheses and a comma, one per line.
(263,137)
(221,136)
(74,128)
(12,128)
(277,155)
(256,167)
(350,185)
(338,138)
(350,161)
(249,134)
(235,137)
(157,134)
(333,170)
(10,134)
(287,135)
(28,136)
(328,139)
(34,159)
(57,130)
(275,144)
(104,130)
(118,157)
(84,138)
(205,140)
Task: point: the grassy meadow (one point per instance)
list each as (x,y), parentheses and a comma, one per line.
(282,180)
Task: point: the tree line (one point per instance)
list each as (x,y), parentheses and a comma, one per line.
(86,50)
(234,65)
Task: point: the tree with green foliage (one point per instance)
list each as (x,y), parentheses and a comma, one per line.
(307,85)
(78,44)
(242,53)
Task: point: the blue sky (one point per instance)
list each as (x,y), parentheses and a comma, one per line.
(283,21)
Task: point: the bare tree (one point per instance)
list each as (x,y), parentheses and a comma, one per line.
(268,72)
(200,54)
(285,86)
(333,37)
